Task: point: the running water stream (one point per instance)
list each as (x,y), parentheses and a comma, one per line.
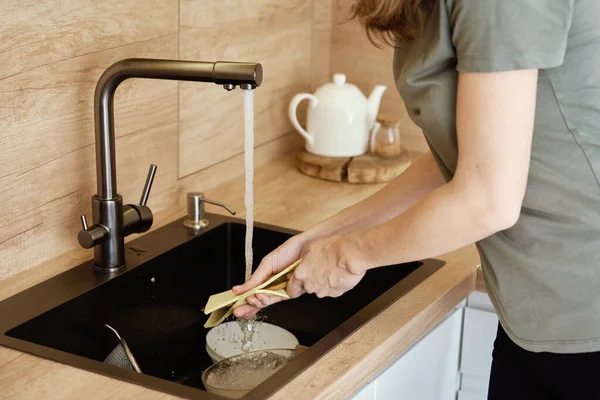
(249,165)
(247,326)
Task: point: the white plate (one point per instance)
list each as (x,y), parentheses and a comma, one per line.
(225,340)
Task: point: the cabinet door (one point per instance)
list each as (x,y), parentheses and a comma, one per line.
(474,384)
(478,342)
(367,393)
(469,396)
(479,333)
(429,369)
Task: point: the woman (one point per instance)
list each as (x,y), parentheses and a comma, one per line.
(507,94)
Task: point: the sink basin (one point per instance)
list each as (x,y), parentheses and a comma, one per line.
(155,304)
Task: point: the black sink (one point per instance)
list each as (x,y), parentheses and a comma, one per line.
(155,304)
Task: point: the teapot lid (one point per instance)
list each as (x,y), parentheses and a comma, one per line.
(339,79)
(339,87)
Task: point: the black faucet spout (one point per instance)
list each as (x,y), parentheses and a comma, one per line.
(228,74)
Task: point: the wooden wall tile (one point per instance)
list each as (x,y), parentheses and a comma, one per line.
(321,42)
(41,32)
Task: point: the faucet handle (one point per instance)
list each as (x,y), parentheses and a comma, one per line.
(84,223)
(148,185)
(90,236)
(138,218)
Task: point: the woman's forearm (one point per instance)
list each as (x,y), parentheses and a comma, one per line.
(420,178)
(446,219)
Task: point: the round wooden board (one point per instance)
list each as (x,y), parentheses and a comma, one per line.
(328,168)
(372,169)
(362,169)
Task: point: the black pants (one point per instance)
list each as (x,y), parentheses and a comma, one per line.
(521,374)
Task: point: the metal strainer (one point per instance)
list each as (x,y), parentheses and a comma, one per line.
(121,356)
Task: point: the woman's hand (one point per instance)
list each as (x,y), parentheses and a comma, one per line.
(274,262)
(325,270)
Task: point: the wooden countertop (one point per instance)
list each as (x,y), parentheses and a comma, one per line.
(286,198)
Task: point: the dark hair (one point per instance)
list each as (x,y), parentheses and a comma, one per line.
(389,21)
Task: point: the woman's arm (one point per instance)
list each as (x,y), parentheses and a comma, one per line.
(420,178)
(495,116)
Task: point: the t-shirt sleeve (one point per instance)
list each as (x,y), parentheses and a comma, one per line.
(503,35)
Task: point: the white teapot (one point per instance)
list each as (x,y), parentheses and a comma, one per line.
(339,118)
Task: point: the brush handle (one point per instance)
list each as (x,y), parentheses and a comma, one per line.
(277,286)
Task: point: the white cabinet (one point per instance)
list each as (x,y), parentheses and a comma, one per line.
(452,361)
(367,393)
(462,395)
(427,371)
(478,336)
(479,332)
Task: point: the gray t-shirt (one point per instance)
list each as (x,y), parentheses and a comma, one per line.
(543,274)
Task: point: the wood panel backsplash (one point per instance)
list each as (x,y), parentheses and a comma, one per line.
(53,53)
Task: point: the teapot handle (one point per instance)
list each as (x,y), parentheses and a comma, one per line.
(294,119)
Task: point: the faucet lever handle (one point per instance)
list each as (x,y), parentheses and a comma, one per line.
(148,185)
(90,236)
(84,223)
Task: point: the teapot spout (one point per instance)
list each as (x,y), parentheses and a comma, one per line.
(373,103)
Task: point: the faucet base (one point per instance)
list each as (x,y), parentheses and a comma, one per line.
(109,255)
(108,271)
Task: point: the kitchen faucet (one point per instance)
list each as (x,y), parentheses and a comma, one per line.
(112,221)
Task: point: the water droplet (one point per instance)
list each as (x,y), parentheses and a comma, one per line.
(247,346)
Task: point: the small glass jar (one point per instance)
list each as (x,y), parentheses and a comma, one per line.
(385,137)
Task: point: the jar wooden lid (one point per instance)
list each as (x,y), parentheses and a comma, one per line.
(387,119)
